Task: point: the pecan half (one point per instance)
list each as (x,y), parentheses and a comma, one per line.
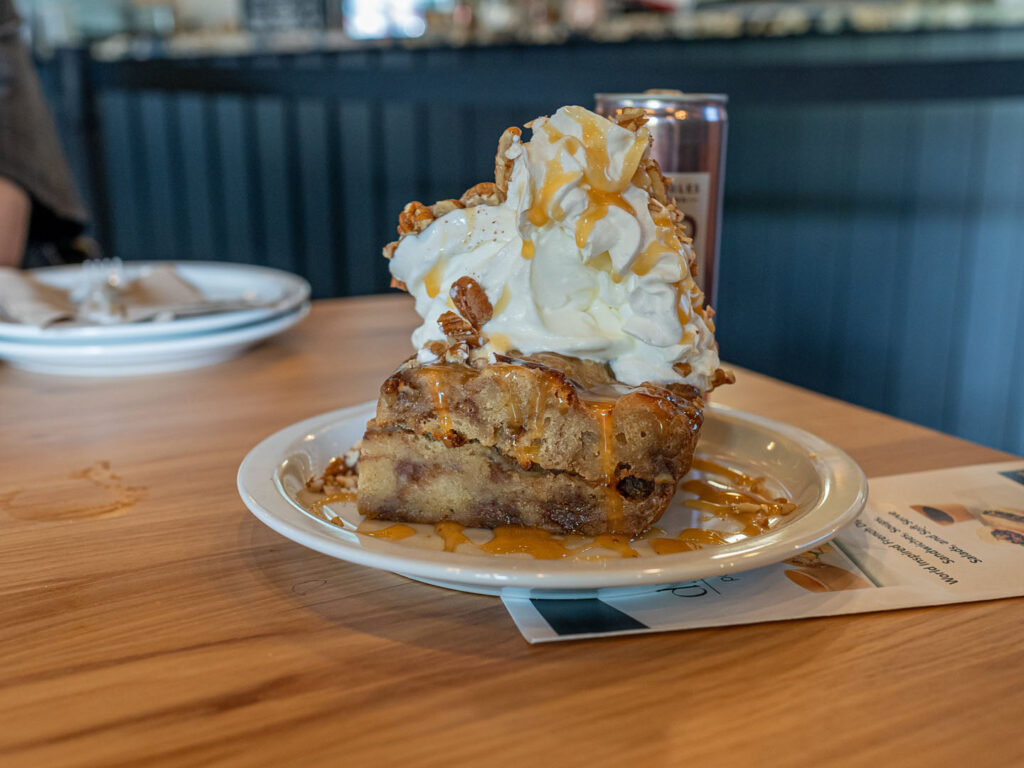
(471,301)
(457,328)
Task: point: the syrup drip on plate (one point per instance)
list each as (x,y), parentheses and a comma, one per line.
(726,493)
(451,533)
(687,541)
(515,539)
(616,542)
(395,532)
(334,498)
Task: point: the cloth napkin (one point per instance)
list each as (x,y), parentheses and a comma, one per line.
(157,293)
(25,300)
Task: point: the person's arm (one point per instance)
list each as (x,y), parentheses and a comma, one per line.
(15,208)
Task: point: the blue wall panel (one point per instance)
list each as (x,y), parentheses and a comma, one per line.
(876,252)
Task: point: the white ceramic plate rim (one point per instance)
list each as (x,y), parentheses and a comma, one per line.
(844,493)
(293,291)
(91,353)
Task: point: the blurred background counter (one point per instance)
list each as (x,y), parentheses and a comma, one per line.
(873,235)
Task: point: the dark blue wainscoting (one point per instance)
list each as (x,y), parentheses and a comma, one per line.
(874,228)
(876,252)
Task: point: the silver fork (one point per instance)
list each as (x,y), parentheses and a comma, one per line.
(98,295)
(101,270)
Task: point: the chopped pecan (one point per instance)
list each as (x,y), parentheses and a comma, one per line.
(502,164)
(414,218)
(441,207)
(631,118)
(722,377)
(683,369)
(436,348)
(396,283)
(471,301)
(484,193)
(659,184)
(457,328)
(389,249)
(458,352)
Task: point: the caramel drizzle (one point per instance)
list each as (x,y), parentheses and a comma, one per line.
(595,151)
(752,508)
(395,532)
(516,539)
(597,209)
(687,541)
(647,260)
(544,209)
(451,533)
(525,420)
(432,280)
(615,542)
(502,303)
(614,515)
(444,418)
(733,475)
(499,342)
(335,498)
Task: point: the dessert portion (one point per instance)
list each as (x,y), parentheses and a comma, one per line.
(544,441)
(565,348)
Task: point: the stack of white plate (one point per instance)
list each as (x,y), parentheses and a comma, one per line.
(132,349)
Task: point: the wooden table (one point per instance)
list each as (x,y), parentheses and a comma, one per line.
(147,618)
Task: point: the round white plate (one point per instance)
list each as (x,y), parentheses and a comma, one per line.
(144,357)
(826,484)
(281,292)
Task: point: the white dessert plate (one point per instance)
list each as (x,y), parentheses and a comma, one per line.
(826,484)
(274,291)
(145,356)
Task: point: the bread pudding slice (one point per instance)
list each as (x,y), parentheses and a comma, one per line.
(546,441)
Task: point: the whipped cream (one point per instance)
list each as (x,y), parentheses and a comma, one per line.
(576,260)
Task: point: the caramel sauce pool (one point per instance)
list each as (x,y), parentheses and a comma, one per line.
(395,532)
(515,539)
(724,491)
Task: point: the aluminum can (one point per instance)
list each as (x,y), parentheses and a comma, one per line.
(689,133)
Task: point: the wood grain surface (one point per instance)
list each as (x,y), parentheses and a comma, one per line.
(146,618)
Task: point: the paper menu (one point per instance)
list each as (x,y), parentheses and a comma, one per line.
(927,538)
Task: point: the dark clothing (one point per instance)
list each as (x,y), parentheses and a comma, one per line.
(30,153)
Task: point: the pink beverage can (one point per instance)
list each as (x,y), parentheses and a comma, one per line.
(689,136)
